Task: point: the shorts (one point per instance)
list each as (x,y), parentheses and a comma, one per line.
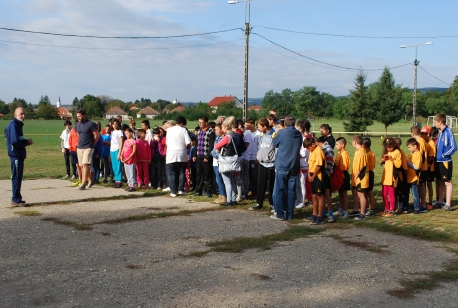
(359,189)
(437,173)
(424,176)
(446,170)
(430,176)
(346,184)
(326,181)
(318,187)
(371,181)
(85,156)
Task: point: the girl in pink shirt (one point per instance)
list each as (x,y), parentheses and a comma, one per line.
(143,159)
(129,157)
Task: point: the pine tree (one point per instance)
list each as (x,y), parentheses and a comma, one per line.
(360,113)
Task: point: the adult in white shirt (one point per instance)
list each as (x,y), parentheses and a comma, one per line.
(250,127)
(65,147)
(177,141)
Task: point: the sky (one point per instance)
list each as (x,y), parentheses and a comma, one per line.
(286,35)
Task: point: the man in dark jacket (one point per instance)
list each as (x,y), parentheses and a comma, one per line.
(15,143)
(288,141)
(204,167)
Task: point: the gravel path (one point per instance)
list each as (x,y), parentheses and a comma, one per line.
(143,263)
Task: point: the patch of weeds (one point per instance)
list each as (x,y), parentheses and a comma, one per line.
(28,213)
(432,281)
(264,242)
(261,276)
(120,197)
(141,217)
(76,225)
(361,245)
(162,208)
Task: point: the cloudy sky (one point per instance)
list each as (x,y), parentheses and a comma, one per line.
(285,35)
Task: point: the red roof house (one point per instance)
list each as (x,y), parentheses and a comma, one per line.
(148,112)
(116,111)
(218,100)
(255,108)
(64,114)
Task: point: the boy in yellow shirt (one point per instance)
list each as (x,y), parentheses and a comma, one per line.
(317,164)
(414,165)
(403,188)
(423,149)
(370,166)
(431,155)
(360,175)
(343,162)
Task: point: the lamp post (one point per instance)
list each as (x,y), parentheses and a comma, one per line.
(415,63)
(247,36)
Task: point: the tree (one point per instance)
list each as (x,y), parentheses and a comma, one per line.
(47,111)
(340,108)
(359,111)
(452,95)
(387,98)
(4,109)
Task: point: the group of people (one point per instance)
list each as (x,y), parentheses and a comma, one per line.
(278,156)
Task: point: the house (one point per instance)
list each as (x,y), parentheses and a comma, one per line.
(255,108)
(116,111)
(178,109)
(64,114)
(149,112)
(218,100)
(133,108)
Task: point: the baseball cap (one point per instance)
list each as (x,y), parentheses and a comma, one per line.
(426,129)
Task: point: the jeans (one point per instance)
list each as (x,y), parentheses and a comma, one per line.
(155,171)
(17,174)
(229,183)
(253,177)
(175,170)
(96,165)
(245,176)
(285,190)
(219,181)
(416,197)
(106,168)
(204,173)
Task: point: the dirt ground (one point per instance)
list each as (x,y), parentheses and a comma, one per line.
(76,254)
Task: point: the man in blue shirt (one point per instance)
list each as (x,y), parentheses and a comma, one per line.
(288,141)
(15,143)
(446,147)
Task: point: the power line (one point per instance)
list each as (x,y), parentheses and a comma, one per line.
(120,49)
(359,36)
(329,64)
(433,76)
(118,37)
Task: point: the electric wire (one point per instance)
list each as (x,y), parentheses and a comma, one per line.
(359,36)
(120,49)
(329,64)
(433,76)
(118,37)
(430,79)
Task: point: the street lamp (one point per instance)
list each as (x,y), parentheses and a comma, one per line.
(416,62)
(247,36)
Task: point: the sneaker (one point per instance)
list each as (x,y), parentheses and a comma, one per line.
(131,189)
(423,209)
(73,177)
(300,206)
(19,204)
(275,217)
(354,213)
(360,217)
(182,193)
(238,199)
(65,177)
(311,218)
(389,214)
(117,185)
(430,207)
(310,202)
(227,204)
(173,195)
(370,212)
(166,189)
(256,207)
(331,219)
(77,183)
(416,212)
(89,185)
(344,215)
(446,207)
(438,204)
(82,186)
(338,212)
(384,213)
(317,221)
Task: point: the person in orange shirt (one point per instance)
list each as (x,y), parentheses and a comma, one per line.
(413,174)
(431,155)
(391,158)
(402,190)
(73,142)
(360,175)
(317,164)
(370,166)
(423,148)
(343,162)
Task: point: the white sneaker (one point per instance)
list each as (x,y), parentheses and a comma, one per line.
(81,187)
(182,193)
(65,177)
(300,206)
(166,189)
(344,216)
(89,185)
(73,177)
(238,199)
(173,195)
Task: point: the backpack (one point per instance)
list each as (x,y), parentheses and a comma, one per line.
(240,144)
(337,178)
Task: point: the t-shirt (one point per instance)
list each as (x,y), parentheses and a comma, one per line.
(64,137)
(422,148)
(128,148)
(414,162)
(177,140)
(116,135)
(252,146)
(388,176)
(105,148)
(85,132)
(343,160)
(370,160)
(360,164)
(254,150)
(317,158)
(432,152)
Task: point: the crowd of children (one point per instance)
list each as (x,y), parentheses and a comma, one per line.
(138,157)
